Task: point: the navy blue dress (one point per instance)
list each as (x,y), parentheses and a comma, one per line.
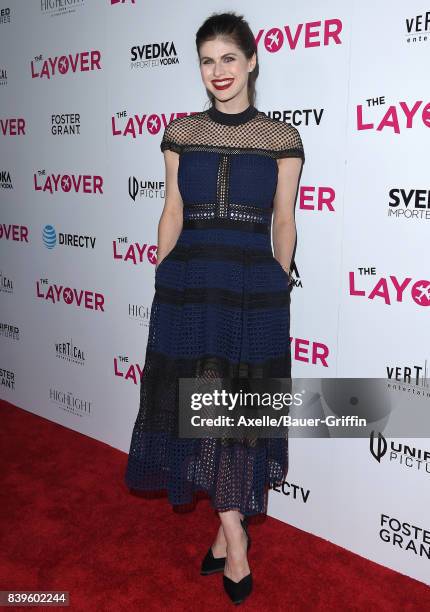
(221,307)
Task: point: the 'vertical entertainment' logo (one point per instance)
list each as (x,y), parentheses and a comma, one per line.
(6,283)
(3,76)
(418,28)
(68,351)
(415,375)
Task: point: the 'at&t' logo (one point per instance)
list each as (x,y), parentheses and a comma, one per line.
(392,290)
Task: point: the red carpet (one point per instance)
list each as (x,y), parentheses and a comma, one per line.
(69,523)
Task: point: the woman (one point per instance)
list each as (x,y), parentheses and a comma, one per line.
(221,303)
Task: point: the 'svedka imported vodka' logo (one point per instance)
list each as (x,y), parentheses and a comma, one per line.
(153,55)
(409,203)
(5,180)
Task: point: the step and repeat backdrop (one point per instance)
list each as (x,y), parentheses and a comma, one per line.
(86,90)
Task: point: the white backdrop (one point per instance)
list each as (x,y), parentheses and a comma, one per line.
(354,82)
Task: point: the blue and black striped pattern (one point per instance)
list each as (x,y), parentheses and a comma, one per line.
(221,308)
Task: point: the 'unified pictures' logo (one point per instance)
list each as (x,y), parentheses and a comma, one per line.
(153,55)
(70,352)
(9,331)
(405,455)
(418,28)
(409,203)
(146,189)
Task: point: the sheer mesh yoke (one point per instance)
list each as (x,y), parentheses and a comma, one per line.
(220,309)
(261,134)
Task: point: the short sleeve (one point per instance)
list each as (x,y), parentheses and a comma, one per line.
(291,143)
(172,137)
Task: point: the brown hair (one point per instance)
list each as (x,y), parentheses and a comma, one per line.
(233,26)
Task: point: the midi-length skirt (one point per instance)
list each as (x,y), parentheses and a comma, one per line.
(221,308)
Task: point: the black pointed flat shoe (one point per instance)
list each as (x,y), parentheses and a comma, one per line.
(211,564)
(238,591)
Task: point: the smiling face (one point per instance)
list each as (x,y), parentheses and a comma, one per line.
(224,70)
